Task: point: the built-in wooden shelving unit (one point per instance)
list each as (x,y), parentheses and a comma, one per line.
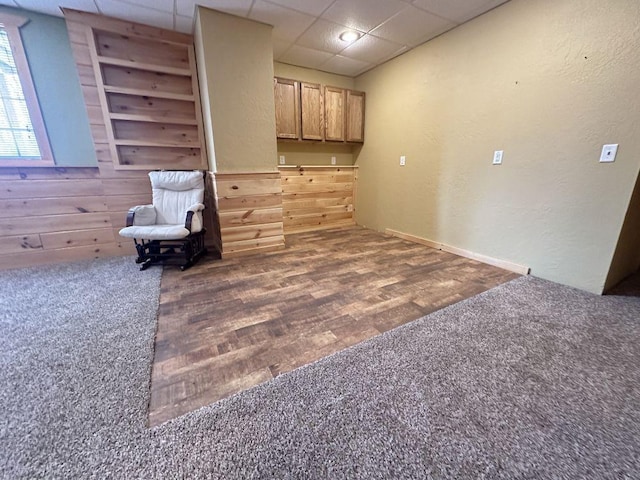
(148,94)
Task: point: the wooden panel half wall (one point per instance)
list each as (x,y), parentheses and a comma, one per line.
(50,215)
(318,197)
(249,212)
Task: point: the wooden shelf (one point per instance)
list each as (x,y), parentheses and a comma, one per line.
(149,143)
(185,72)
(152,119)
(149,93)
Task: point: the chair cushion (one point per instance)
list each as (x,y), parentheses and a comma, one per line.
(156,232)
(173,194)
(177,181)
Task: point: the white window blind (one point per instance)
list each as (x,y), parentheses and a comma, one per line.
(17,137)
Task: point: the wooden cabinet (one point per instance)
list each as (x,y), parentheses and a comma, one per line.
(310,111)
(334,103)
(355,116)
(287,94)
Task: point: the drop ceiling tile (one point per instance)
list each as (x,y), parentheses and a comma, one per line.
(362,15)
(134,13)
(305,57)
(324,35)
(234,7)
(315,7)
(345,66)
(53,8)
(458,11)
(371,49)
(163,5)
(184,24)
(411,25)
(287,24)
(280,47)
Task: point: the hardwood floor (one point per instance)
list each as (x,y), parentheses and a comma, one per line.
(225,326)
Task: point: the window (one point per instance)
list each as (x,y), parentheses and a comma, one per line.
(23,138)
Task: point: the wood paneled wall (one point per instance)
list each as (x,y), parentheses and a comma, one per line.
(50,215)
(250,212)
(318,197)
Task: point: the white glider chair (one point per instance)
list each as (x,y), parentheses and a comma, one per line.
(171,228)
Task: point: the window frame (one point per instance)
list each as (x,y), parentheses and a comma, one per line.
(11,24)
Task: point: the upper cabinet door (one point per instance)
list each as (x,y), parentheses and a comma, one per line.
(355,116)
(334,108)
(287,96)
(311,105)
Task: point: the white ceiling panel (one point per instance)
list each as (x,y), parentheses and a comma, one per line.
(162,5)
(314,7)
(287,24)
(362,15)
(324,35)
(345,66)
(411,25)
(280,47)
(183,24)
(305,57)
(234,7)
(53,7)
(127,11)
(371,49)
(458,11)
(305,32)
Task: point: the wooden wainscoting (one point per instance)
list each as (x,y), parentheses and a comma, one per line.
(318,197)
(50,215)
(249,211)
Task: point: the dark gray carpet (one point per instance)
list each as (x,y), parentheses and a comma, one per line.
(528,380)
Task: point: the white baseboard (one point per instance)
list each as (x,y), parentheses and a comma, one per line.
(512,267)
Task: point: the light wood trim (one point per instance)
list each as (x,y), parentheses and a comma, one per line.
(184,72)
(152,119)
(323,167)
(102,97)
(12,24)
(506,265)
(204,161)
(148,143)
(149,93)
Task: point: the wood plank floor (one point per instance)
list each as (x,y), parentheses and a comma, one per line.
(225,326)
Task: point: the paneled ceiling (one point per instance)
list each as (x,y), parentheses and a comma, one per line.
(306,32)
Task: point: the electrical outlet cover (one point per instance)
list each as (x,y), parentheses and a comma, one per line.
(609,153)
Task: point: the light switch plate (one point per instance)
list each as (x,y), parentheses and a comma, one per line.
(333,160)
(497,157)
(282,160)
(403,161)
(609,153)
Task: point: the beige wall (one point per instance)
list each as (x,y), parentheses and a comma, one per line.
(314,153)
(235,68)
(546,81)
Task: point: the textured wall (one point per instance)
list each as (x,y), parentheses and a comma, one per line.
(546,81)
(55,79)
(314,153)
(236,60)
